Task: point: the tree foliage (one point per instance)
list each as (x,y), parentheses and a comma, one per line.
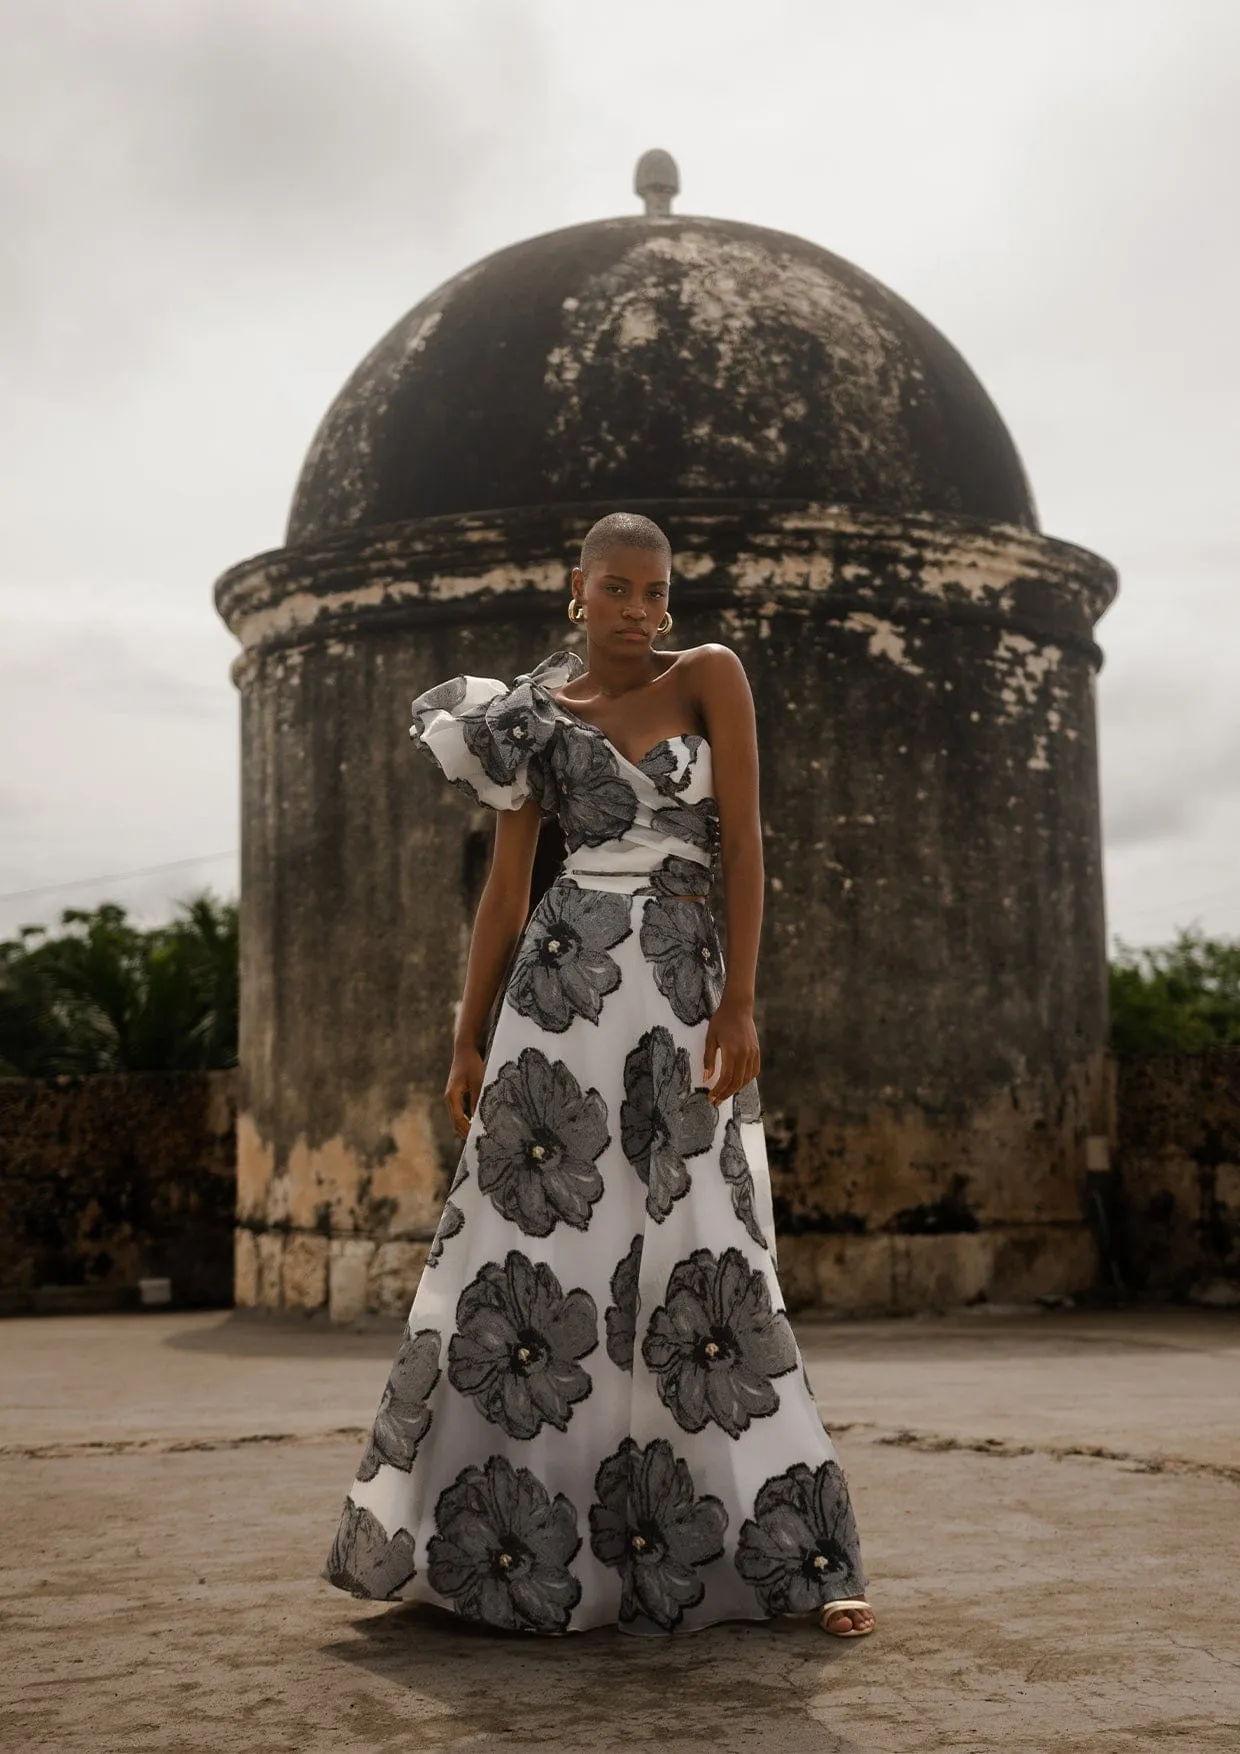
(1182,996)
(103,995)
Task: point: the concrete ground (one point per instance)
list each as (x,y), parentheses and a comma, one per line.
(1050,1506)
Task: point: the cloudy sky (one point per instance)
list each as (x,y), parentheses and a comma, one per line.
(212,208)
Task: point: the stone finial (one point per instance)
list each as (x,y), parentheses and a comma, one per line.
(656,180)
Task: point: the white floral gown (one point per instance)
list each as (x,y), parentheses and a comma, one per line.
(598,1413)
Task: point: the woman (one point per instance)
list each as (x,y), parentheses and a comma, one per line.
(598,1413)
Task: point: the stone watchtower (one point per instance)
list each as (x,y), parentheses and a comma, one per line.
(849,514)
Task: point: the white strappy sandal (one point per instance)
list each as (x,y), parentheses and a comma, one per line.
(845,1606)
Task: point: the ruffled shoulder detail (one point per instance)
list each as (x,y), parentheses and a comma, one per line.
(490,738)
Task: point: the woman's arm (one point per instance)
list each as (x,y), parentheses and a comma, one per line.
(727,706)
(503,908)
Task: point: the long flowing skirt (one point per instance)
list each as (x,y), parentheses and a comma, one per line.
(598,1412)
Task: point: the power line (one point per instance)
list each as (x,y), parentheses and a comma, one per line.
(116,876)
(1150,911)
(1154,910)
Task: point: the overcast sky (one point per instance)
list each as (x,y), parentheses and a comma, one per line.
(211,210)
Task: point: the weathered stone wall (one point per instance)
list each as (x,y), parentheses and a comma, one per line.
(1178,1166)
(932,993)
(106,1180)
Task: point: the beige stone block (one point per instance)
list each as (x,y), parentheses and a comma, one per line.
(270,1254)
(853,1274)
(255,1168)
(349,1261)
(939,1272)
(796,1272)
(326,1179)
(394,1195)
(392,1280)
(245,1269)
(280,1201)
(411,1177)
(993,1161)
(304,1272)
(899,1275)
(835,1275)
(1042,1262)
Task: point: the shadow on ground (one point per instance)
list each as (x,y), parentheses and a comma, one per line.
(737,1689)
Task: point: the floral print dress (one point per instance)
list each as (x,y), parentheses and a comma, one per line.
(598,1413)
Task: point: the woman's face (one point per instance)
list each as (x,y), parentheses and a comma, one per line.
(626,596)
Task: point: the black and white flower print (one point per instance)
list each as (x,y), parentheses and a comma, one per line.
(495,735)
(503,1549)
(518,1341)
(697,823)
(621,1315)
(680,939)
(446,697)
(596,803)
(451,1223)
(541,1140)
(493,743)
(664,1119)
(678,876)
(651,1526)
(562,969)
(509,734)
(747,1103)
(739,1177)
(665,770)
(716,1343)
(364,1561)
(404,1414)
(800,1549)
(660,764)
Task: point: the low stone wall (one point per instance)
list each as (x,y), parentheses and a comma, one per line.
(891,1274)
(887,1211)
(1154,1210)
(1178,1172)
(349,1276)
(106,1180)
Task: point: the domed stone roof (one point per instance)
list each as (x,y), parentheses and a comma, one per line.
(656,358)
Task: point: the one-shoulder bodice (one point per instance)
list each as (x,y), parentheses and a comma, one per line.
(625,823)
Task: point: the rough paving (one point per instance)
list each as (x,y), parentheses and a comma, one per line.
(1050,1505)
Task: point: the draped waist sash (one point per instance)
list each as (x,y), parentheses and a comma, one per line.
(690,879)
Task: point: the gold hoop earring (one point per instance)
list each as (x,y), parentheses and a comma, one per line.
(573,606)
(665,626)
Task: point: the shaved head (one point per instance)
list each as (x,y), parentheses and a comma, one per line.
(624,530)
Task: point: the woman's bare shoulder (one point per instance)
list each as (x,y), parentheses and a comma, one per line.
(714,683)
(709,659)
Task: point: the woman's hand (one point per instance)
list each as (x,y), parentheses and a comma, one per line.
(464,1084)
(732,1037)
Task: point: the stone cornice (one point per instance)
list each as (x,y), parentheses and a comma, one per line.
(754,558)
